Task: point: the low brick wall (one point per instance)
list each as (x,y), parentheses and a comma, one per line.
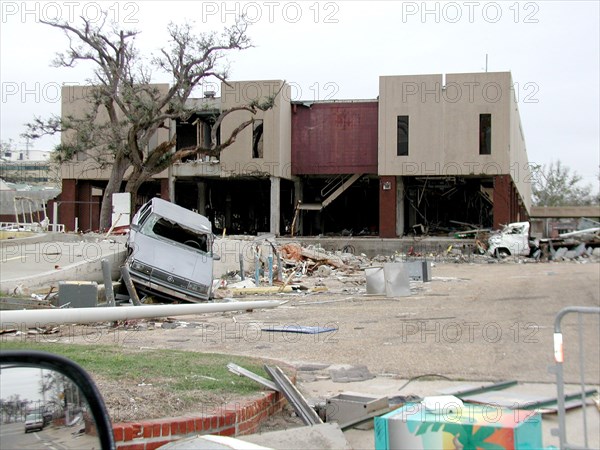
(234,419)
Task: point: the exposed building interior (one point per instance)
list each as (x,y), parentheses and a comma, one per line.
(354,212)
(441,204)
(240,205)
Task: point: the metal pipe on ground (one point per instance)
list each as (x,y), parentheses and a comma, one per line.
(51,317)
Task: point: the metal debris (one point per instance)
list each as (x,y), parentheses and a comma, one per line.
(238,370)
(298,402)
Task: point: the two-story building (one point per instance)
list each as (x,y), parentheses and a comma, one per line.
(430,153)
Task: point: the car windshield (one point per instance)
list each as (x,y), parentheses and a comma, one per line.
(32,417)
(172,231)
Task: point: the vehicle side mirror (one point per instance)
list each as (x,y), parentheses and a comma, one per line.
(216,257)
(49,398)
(134,227)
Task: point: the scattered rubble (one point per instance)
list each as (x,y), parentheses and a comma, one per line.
(291,268)
(306,270)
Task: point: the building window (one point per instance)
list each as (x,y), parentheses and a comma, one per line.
(485,134)
(402,136)
(257,139)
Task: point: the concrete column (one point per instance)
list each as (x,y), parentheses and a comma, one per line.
(201,205)
(275,205)
(400,207)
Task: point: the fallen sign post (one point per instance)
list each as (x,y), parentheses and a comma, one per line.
(25,319)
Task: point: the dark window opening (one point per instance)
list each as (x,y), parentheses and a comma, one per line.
(402,136)
(485,134)
(175,232)
(195,132)
(257,139)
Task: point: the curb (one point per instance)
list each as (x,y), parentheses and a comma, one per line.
(232,419)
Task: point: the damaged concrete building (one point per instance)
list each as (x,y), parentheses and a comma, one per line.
(432,152)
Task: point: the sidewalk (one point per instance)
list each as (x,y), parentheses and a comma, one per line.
(319,390)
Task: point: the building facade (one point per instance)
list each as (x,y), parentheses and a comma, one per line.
(432,152)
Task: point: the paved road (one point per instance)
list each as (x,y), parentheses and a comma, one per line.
(29,259)
(13,436)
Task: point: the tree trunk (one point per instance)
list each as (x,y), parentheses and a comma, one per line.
(135,181)
(117,173)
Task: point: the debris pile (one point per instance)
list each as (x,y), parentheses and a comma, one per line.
(574,246)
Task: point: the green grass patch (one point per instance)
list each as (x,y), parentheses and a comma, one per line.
(176,370)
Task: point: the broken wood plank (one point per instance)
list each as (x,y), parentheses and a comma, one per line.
(261,290)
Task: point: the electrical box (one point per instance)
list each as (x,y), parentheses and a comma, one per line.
(418,270)
(348,407)
(78,294)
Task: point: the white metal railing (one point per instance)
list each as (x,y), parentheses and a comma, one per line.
(560,381)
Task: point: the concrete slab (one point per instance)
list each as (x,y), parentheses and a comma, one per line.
(323,436)
(383,386)
(350,374)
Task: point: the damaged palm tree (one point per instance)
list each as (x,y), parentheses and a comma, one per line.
(127,111)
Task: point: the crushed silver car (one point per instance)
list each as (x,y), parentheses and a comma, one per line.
(171,252)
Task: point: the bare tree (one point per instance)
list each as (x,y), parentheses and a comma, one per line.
(556,185)
(14,408)
(135,108)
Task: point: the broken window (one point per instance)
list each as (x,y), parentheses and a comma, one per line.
(485,134)
(257,139)
(174,232)
(402,136)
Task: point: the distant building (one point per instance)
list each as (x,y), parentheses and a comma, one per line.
(432,152)
(551,221)
(33,173)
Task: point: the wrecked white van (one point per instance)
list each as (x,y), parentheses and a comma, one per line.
(171,252)
(512,240)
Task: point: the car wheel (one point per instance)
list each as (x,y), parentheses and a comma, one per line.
(501,253)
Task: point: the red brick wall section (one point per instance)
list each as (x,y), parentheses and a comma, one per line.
(164,189)
(67,209)
(502,200)
(334,138)
(235,419)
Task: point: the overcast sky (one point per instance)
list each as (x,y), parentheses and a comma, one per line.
(339,49)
